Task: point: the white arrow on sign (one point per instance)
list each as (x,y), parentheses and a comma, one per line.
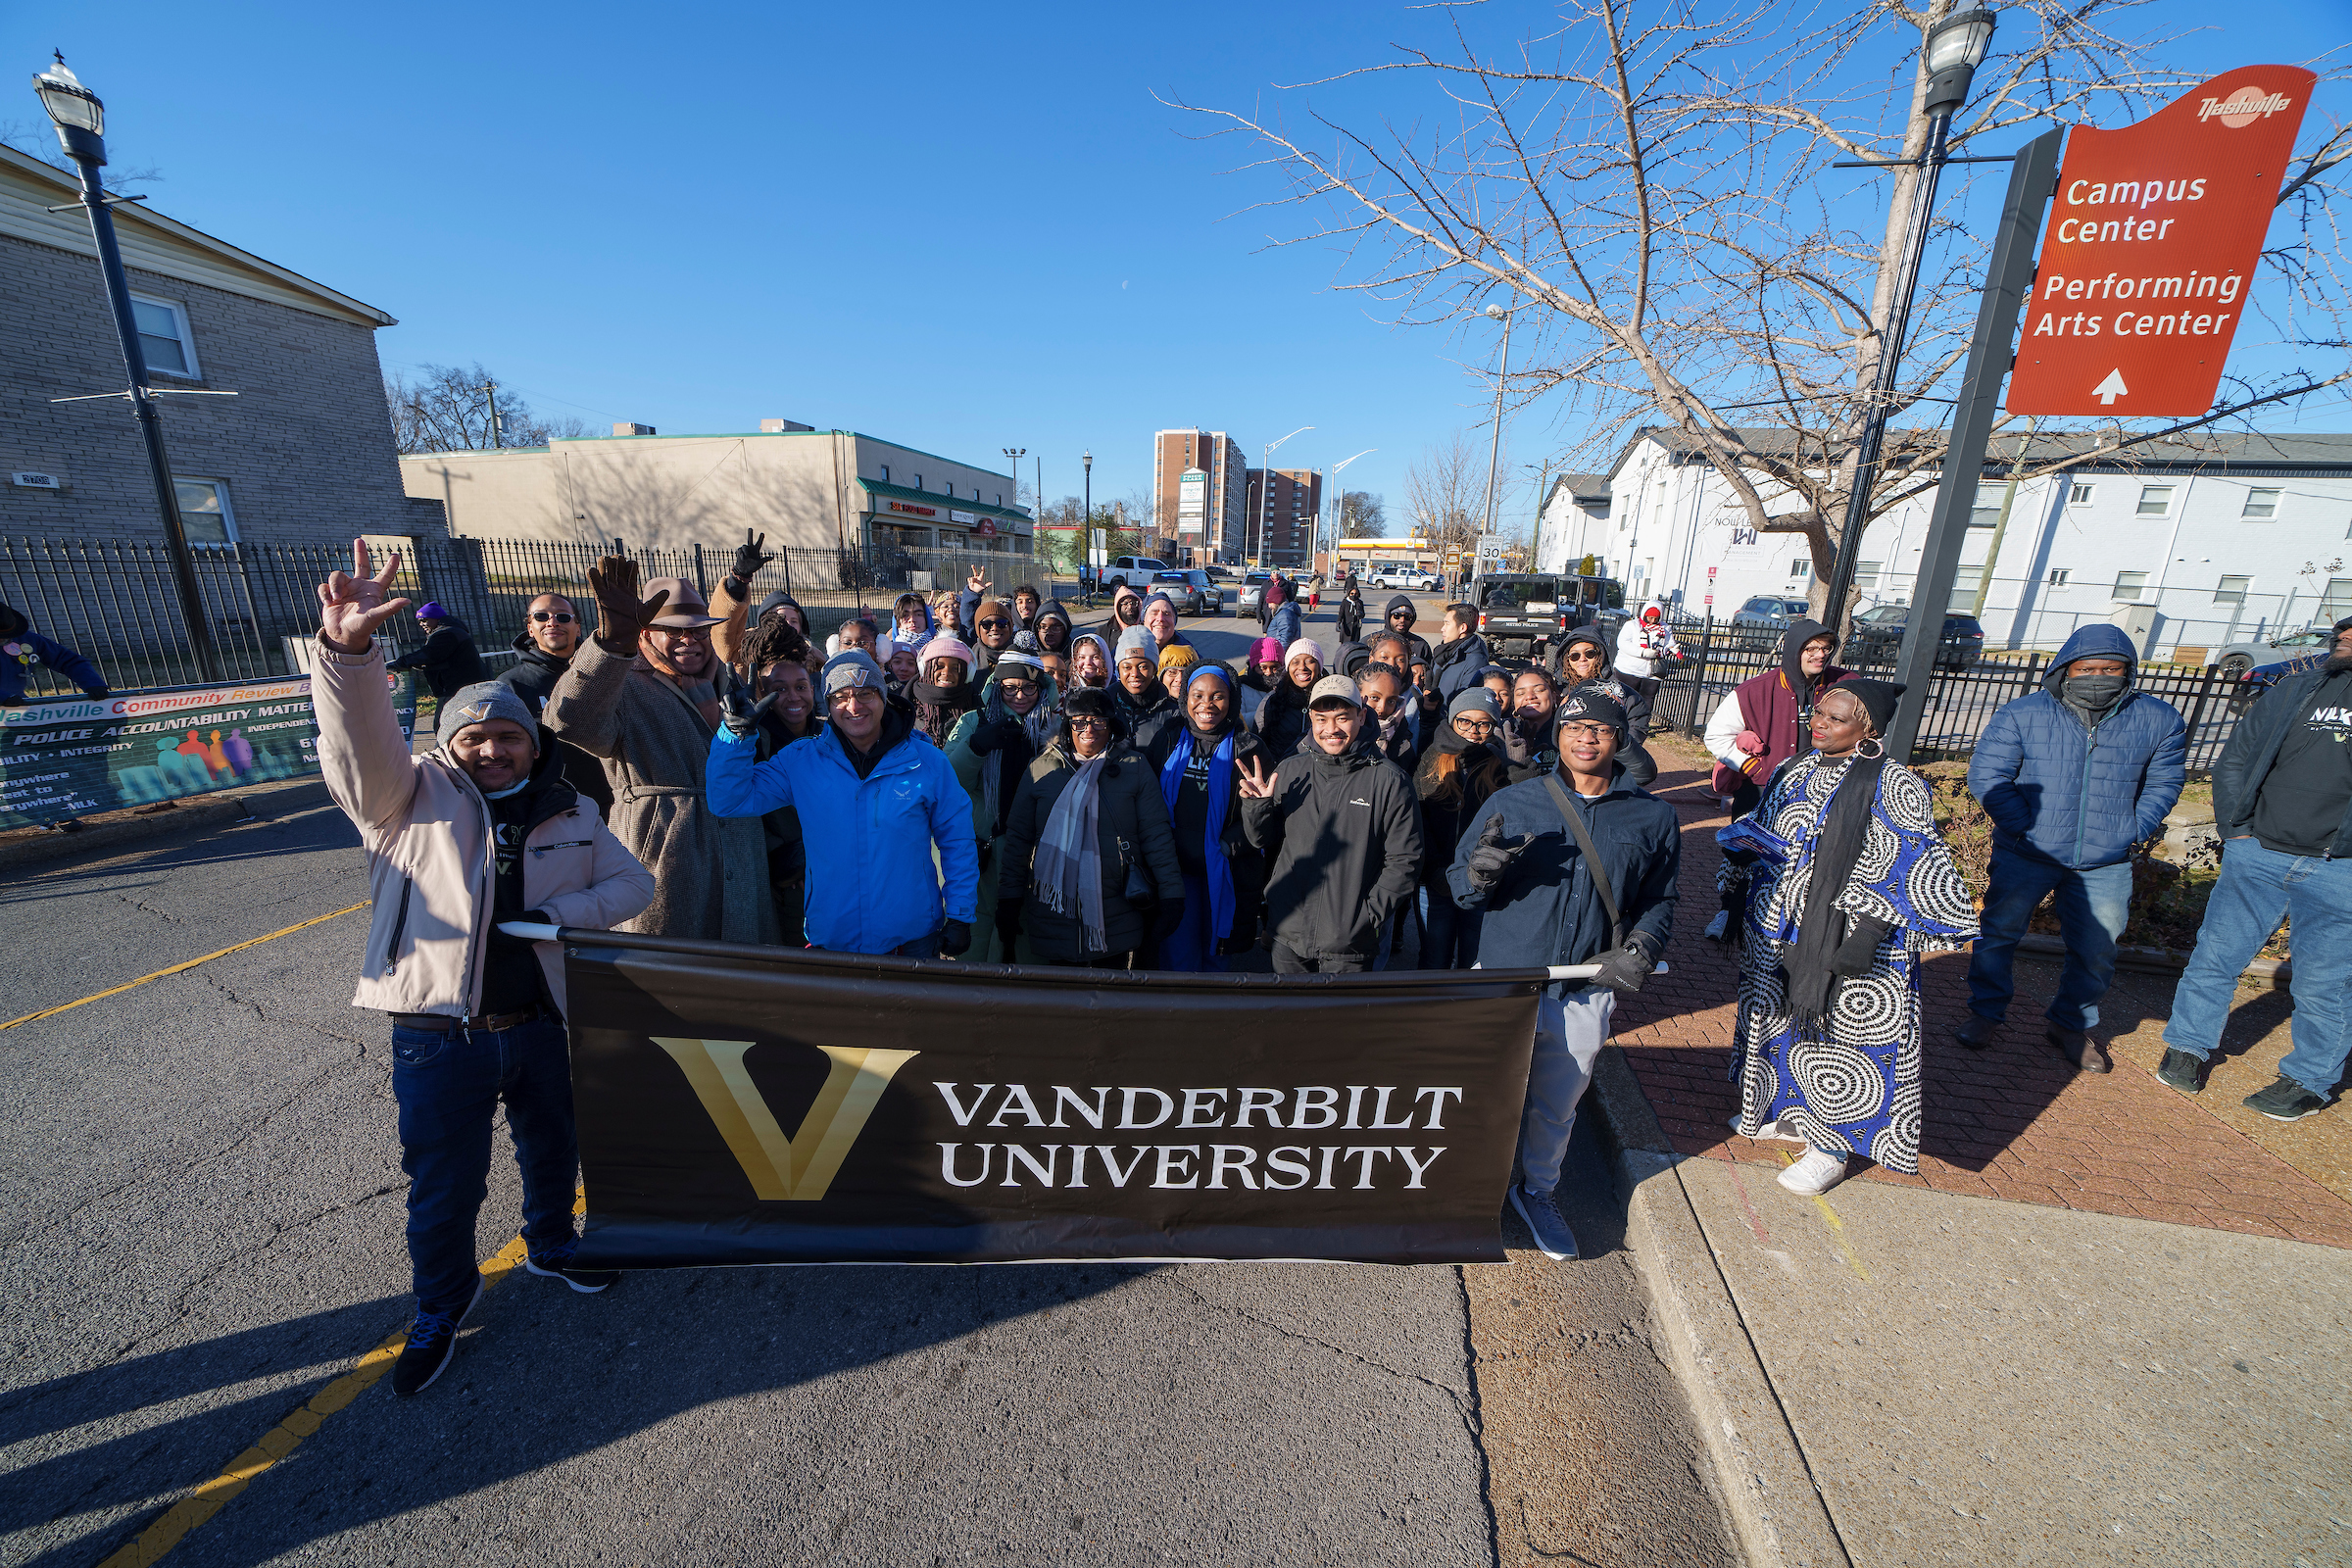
(2109,390)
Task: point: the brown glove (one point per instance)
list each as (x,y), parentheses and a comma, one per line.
(620,615)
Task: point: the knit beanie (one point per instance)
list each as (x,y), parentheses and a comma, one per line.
(1265,651)
(482,702)
(1137,643)
(1304,645)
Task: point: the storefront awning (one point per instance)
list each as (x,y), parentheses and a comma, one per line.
(930,507)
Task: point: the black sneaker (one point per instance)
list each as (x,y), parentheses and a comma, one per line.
(1550,1227)
(431,1341)
(2285,1100)
(556,1264)
(2180,1070)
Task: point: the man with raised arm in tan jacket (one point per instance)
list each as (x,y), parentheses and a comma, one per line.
(482,828)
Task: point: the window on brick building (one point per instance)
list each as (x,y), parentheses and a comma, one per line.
(163,336)
(204,516)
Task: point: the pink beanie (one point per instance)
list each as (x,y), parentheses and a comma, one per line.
(1265,651)
(944,646)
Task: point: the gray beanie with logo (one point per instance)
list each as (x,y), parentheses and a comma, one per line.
(481,703)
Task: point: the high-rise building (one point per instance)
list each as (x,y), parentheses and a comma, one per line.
(1196,485)
(1288,518)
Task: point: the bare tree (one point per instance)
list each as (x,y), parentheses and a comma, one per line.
(1445,489)
(1652,176)
(1362,514)
(446,409)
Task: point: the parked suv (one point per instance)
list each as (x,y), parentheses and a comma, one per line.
(1192,592)
(1130,570)
(1773,611)
(1529,615)
(1878,638)
(1411,579)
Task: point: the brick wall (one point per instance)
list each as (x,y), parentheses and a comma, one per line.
(305,447)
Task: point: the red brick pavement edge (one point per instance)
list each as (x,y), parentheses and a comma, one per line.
(2013,1121)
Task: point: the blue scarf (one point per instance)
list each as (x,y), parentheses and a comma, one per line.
(1212,850)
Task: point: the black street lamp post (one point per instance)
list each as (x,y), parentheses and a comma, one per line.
(1954,49)
(80,120)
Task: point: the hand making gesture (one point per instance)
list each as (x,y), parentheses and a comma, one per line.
(620,615)
(351,606)
(1255,782)
(977,583)
(750,557)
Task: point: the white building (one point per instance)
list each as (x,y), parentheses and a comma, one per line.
(2191,543)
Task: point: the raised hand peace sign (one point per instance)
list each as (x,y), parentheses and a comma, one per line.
(351,605)
(1255,782)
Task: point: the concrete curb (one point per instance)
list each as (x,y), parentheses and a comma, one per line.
(1776,1508)
(111,828)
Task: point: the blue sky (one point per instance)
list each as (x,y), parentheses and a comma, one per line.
(955,226)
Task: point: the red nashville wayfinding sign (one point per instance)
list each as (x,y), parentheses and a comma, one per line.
(2150,250)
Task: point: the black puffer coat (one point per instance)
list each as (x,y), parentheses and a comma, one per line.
(1132,830)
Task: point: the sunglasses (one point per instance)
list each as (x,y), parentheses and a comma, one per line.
(993,625)
(556,615)
(1087,721)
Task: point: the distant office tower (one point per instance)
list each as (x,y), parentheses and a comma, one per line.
(1289,518)
(1197,484)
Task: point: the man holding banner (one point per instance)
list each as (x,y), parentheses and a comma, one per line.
(481,829)
(1572,866)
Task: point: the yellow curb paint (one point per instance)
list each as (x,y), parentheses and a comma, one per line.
(179,968)
(1837,1228)
(282,1439)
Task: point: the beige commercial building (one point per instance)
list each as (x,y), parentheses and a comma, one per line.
(804,488)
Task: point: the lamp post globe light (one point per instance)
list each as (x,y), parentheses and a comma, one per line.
(1086,510)
(1953,50)
(80,120)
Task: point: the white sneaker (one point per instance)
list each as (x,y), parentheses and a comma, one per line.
(1815,1174)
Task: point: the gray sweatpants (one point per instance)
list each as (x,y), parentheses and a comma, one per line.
(1569,1034)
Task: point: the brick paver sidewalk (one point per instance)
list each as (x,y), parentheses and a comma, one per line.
(2015,1120)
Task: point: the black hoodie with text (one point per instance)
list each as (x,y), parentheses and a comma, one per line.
(1343,834)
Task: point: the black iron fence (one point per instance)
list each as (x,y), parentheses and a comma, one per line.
(1968,689)
(117,603)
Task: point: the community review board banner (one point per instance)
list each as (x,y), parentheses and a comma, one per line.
(742,1104)
(66,757)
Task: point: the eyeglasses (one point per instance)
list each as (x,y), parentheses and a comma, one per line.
(994,624)
(1016,688)
(1474,726)
(556,615)
(1588,732)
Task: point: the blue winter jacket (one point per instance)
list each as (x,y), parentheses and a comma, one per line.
(871,883)
(40,649)
(2081,797)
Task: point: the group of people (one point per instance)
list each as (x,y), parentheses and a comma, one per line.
(974,777)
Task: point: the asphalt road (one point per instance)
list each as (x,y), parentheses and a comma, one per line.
(201,1207)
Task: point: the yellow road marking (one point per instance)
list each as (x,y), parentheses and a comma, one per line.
(283,1439)
(1837,1227)
(178,968)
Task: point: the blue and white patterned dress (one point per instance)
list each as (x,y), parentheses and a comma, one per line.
(1859,1091)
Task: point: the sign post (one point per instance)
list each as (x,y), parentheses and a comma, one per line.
(2155,231)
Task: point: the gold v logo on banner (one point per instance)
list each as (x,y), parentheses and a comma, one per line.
(803,1165)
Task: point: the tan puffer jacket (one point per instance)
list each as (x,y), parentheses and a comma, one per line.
(427,830)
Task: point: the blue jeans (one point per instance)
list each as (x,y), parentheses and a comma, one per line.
(2258,887)
(1449,939)
(1191,948)
(448,1087)
(2093,906)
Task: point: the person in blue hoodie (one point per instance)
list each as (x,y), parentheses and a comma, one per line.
(876,800)
(2072,776)
(22,650)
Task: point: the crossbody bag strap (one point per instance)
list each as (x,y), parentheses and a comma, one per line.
(1594,868)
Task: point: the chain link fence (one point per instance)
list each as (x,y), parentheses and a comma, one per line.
(118,603)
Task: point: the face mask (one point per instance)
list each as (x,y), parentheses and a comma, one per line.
(2094,692)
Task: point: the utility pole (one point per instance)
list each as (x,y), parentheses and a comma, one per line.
(1501,380)
(489,389)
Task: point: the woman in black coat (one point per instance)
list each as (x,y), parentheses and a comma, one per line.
(1281,720)
(1459,770)
(1200,764)
(1094,901)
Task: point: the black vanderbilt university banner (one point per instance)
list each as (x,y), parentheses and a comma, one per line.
(746,1104)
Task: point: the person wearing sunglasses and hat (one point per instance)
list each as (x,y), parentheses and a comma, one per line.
(1849,886)
(644,697)
(550,636)
(447,657)
(1548,888)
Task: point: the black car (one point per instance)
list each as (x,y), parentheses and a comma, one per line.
(1878,638)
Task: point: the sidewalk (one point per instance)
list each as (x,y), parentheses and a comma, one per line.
(2105,1323)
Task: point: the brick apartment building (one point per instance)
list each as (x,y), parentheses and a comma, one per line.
(302,454)
(1289,517)
(1204,517)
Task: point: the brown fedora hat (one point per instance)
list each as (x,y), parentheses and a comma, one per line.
(686,608)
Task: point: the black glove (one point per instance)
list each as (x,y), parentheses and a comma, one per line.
(1491,861)
(741,715)
(1171,915)
(1860,947)
(749,558)
(955,939)
(1624,968)
(1009,923)
(989,739)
